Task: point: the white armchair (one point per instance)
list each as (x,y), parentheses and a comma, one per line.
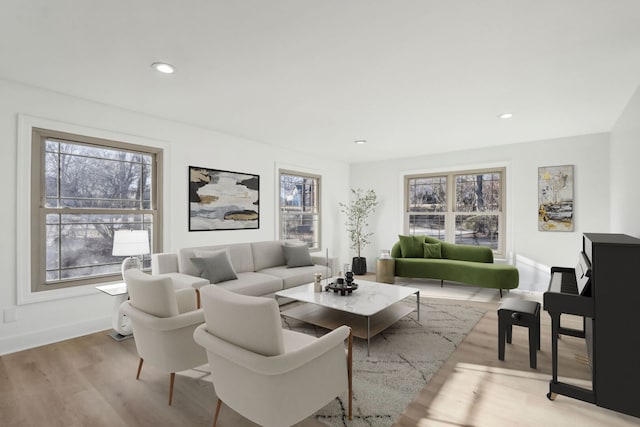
(271,376)
(163,321)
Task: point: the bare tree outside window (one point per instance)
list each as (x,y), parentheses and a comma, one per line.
(478,209)
(90,191)
(427,205)
(299,208)
(462,207)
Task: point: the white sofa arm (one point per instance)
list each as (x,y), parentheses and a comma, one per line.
(186,281)
(166,264)
(162,263)
(322,260)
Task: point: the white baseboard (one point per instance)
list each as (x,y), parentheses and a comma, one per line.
(21,342)
(528,261)
(534,276)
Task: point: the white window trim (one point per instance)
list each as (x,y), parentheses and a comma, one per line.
(304,170)
(509,239)
(26,123)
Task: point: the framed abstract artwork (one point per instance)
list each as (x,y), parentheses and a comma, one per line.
(223,200)
(555,198)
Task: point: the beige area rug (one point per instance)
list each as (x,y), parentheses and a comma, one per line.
(402,359)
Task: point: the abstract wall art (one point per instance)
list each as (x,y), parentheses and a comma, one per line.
(555,198)
(223,200)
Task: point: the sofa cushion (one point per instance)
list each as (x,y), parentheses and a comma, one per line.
(253,284)
(467,252)
(488,275)
(297,255)
(214,266)
(267,254)
(432,250)
(411,246)
(296,276)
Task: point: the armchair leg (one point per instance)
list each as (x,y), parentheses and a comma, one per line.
(350,372)
(198,298)
(215,417)
(171,381)
(139,368)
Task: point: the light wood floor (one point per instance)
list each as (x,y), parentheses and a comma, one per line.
(474,388)
(90,381)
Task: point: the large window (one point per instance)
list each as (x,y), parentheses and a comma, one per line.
(300,207)
(83,190)
(462,207)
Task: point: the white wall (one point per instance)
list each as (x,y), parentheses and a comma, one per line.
(606,175)
(589,154)
(41,323)
(625,170)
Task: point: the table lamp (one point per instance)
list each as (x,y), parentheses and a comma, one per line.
(129,243)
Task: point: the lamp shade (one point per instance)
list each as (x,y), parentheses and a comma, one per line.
(130,242)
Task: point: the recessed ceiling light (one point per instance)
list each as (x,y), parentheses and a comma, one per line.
(505,115)
(163,67)
(360,141)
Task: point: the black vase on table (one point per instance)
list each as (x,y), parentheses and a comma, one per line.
(359,265)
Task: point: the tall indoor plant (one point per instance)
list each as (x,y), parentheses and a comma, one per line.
(362,204)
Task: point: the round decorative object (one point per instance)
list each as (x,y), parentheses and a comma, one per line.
(343,288)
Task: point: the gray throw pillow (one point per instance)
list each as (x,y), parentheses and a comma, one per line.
(216,267)
(297,255)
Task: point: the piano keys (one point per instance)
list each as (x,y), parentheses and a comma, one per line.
(604,289)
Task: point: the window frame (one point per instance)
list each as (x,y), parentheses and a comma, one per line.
(25,214)
(318,214)
(450,213)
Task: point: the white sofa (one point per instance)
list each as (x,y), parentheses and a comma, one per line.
(261,267)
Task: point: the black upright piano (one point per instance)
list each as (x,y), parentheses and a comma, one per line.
(603,288)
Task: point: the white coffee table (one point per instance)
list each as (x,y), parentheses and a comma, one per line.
(368,310)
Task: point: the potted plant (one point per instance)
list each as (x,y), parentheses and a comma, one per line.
(363,203)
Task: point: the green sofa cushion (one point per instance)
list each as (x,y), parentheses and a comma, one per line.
(467,252)
(432,250)
(411,246)
(498,276)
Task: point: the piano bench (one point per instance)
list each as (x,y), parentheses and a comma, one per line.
(519,313)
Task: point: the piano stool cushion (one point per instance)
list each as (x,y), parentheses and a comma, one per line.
(521,306)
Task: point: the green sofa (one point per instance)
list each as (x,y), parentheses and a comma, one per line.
(429,258)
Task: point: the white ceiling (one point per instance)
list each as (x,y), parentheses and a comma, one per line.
(410,77)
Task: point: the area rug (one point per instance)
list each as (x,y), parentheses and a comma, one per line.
(402,359)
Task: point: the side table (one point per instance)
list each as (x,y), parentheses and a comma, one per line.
(386,270)
(119,322)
